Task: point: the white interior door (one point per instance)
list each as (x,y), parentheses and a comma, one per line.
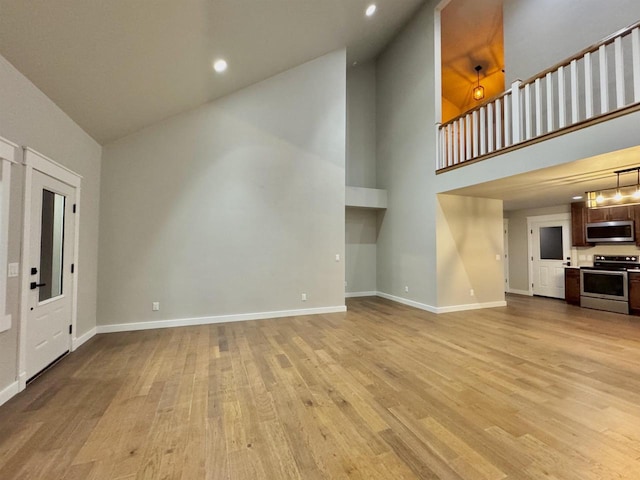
(51,251)
(551,249)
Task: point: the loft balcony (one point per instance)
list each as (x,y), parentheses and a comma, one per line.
(599,83)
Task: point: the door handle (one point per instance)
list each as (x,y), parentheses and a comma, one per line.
(35,285)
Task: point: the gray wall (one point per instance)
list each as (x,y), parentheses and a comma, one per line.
(405,112)
(361,224)
(539,34)
(28,117)
(235,207)
(361,125)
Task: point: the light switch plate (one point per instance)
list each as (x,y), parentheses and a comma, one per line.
(14,269)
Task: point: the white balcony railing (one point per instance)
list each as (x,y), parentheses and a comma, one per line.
(601,81)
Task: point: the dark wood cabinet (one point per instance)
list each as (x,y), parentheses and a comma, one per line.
(634,293)
(595,215)
(578,221)
(572,285)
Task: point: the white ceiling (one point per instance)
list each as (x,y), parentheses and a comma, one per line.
(557,185)
(116,66)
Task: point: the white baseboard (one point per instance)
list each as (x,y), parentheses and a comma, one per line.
(520,292)
(411,303)
(449,309)
(242,317)
(360,294)
(471,306)
(76,342)
(9,392)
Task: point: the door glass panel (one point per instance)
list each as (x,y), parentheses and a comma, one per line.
(551,243)
(51,245)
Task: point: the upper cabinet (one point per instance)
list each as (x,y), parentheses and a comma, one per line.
(581,215)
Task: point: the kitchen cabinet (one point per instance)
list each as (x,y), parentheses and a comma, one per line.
(634,293)
(572,286)
(578,221)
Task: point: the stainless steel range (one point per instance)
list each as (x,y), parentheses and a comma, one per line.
(605,286)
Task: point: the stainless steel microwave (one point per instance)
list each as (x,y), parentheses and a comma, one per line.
(609,232)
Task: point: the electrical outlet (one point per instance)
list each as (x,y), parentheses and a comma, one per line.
(337,257)
(155,306)
(304,297)
(406,288)
(14,269)
(498,257)
(471,292)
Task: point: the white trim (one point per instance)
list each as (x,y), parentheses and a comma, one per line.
(7,158)
(472,306)
(438,310)
(241,317)
(411,303)
(521,292)
(33,160)
(8,150)
(360,294)
(505,253)
(9,392)
(77,341)
(50,167)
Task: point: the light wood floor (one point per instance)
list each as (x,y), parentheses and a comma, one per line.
(536,390)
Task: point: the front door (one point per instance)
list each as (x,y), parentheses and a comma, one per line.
(51,251)
(551,249)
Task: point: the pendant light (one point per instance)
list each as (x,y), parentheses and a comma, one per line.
(478,90)
(620,195)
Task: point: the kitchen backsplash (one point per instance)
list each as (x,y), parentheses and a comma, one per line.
(583,256)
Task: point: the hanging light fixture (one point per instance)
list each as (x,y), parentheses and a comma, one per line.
(478,90)
(620,195)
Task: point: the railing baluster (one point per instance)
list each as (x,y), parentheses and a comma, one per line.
(483,131)
(456,143)
(562,114)
(449,145)
(439,163)
(467,131)
(604,79)
(475,133)
(490,128)
(588,86)
(498,124)
(619,72)
(460,123)
(635,53)
(527,111)
(516,131)
(538,108)
(550,112)
(574,91)
(508,125)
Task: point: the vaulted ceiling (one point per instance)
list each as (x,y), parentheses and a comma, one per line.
(116,66)
(472,34)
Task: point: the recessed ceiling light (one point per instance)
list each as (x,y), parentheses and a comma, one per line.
(220,65)
(578,197)
(371,9)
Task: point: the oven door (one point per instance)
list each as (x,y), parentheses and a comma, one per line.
(608,284)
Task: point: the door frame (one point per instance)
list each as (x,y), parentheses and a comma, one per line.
(33,160)
(505,254)
(556,217)
(7,159)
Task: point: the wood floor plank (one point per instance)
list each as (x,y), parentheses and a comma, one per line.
(534,390)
